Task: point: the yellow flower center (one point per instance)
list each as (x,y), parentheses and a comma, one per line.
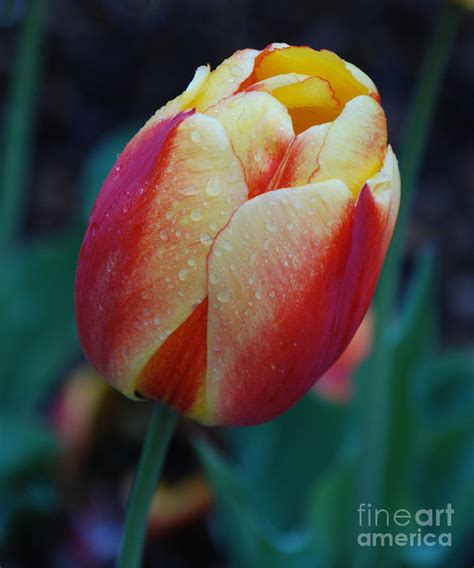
(313,85)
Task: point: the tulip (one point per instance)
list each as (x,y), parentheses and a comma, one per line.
(336,385)
(178,504)
(74,413)
(235,246)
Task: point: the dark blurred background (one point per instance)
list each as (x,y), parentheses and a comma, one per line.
(105,67)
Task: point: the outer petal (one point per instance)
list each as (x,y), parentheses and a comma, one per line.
(288,291)
(360,76)
(351,148)
(260,130)
(226,79)
(142,266)
(185,100)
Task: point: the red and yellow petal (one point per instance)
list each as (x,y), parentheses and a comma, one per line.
(142,268)
(351,148)
(290,279)
(260,131)
(226,79)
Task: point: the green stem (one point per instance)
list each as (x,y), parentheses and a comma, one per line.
(413,149)
(19,119)
(158,436)
(375,388)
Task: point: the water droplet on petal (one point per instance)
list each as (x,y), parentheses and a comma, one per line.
(213,187)
(126,206)
(258,295)
(223,296)
(206,239)
(196,215)
(270,226)
(164,235)
(236,71)
(183,274)
(189,190)
(196,136)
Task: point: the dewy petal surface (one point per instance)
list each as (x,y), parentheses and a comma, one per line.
(351,148)
(260,130)
(290,279)
(226,78)
(143,261)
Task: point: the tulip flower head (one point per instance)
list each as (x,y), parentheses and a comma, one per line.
(235,246)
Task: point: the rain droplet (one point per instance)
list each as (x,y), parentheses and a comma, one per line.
(196,136)
(206,239)
(258,295)
(227,245)
(196,215)
(183,274)
(236,71)
(213,278)
(126,206)
(164,235)
(290,226)
(213,187)
(223,296)
(266,244)
(271,227)
(157,321)
(191,262)
(252,258)
(189,190)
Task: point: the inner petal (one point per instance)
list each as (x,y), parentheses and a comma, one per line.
(315,100)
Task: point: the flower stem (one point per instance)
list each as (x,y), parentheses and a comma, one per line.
(158,436)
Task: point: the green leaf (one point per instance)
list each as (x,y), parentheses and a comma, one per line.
(386,416)
(413,345)
(282,458)
(249,538)
(25,444)
(444,469)
(38,332)
(331,515)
